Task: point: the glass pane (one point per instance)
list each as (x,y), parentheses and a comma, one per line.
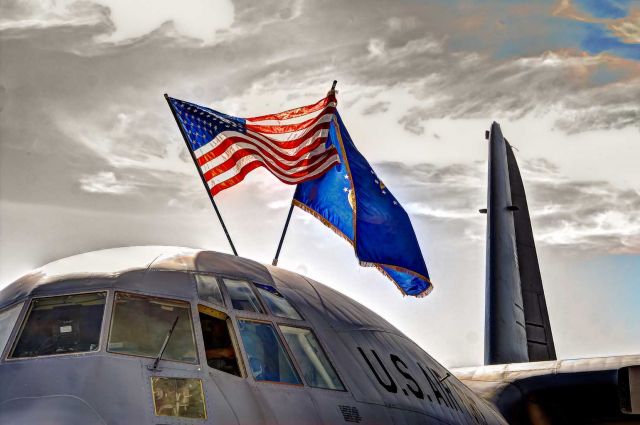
(267,359)
(140,325)
(182,397)
(7,322)
(242,297)
(209,289)
(218,345)
(59,325)
(315,365)
(278,304)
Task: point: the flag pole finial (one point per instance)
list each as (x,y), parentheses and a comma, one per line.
(333,88)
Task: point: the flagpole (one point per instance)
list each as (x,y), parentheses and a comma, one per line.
(195,161)
(286,223)
(284,232)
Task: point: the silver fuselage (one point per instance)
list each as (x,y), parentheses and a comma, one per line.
(386,376)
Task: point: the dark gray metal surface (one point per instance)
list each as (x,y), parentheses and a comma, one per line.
(576,391)
(540,344)
(505,335)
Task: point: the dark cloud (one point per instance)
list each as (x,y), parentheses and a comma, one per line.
(412,121)
(376,108)
(581,215)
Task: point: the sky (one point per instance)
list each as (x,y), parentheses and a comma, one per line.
(91,158)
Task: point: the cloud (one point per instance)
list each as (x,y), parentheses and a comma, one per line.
(34,14)
(590,216)
(92,107)
(376,108)
(628,28)
(426,51)
(105,182)
(559,83)
(198,19)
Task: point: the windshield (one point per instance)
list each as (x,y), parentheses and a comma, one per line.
(278,305)
(60,325)
(8,318)
(316,368)
(267,358)
(140,326)
(242,297)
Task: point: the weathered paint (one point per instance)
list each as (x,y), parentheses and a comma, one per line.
(389,379)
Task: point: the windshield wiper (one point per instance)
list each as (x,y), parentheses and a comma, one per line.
(154,367)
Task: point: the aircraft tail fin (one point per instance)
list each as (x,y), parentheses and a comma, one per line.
(540,344)
(517,327)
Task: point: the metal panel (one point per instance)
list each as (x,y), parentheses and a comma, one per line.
(538,328)
(505,335)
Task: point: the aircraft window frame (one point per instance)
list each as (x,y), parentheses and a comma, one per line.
(12,323)
(266,302)
(263,311)
(190,315)
(282,344)
(219,283)
(322,349)
(23,318)
(203,309)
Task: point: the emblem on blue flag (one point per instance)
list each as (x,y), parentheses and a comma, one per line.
(353,201)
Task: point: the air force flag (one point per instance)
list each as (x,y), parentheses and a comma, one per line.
(352,200)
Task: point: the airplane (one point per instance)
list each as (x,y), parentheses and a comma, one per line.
(203,337)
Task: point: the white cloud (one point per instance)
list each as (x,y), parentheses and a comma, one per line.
(105,182)
(419,208)
(199,19)
(35,14)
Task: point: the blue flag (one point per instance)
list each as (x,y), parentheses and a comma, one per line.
(352,200)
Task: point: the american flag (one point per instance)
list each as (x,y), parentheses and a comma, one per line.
(290,144)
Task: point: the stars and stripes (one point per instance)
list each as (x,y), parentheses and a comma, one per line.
(292,144)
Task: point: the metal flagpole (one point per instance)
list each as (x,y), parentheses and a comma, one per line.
(286,223)
(215,207)
(284,231)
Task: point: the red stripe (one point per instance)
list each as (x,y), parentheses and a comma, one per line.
(293,143)
(275,154)
(296,112)
(290,128)
(252,166)
(235,179)
(274,144)
(310,163)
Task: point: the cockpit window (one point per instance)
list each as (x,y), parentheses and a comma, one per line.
(209,289)
(8,319)
(278,304)
(141,323)
(218,341)
(268,360)
(61,325)
(242,296)
(316,368)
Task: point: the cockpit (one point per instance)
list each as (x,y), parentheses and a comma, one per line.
(237,327)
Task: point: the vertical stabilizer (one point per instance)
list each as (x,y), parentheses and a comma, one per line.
(538,328)
(505,335)
(517,327)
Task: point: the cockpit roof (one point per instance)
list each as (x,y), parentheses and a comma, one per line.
(115,262)
(145,269)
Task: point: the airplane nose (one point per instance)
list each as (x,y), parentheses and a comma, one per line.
(49,410)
